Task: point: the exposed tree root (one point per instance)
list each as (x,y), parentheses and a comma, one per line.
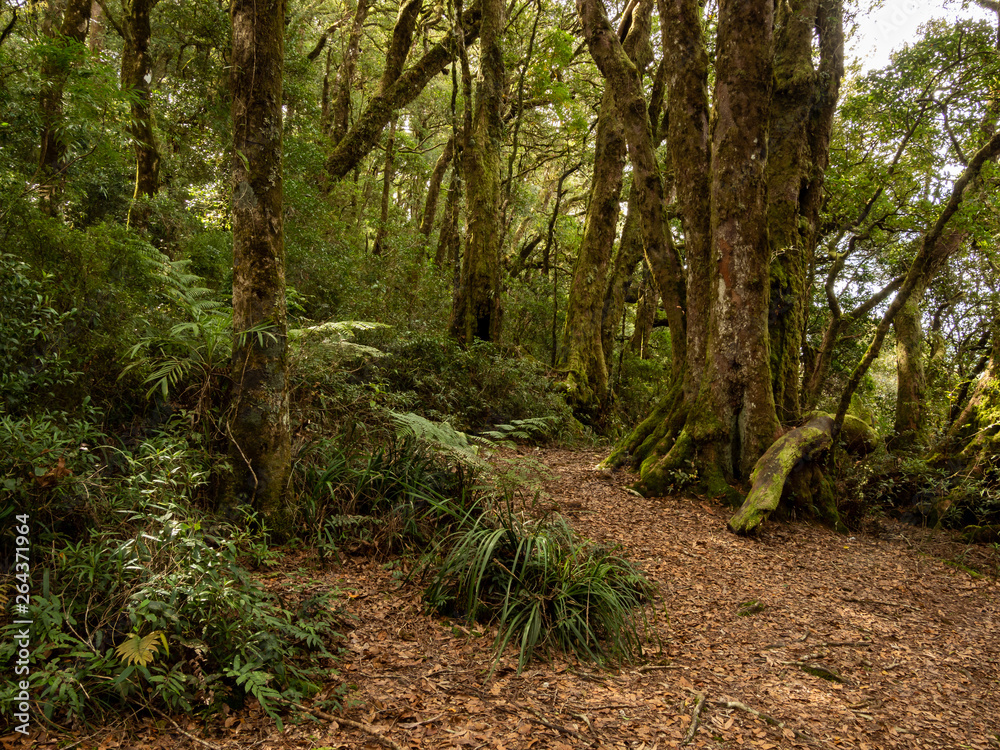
(700,704)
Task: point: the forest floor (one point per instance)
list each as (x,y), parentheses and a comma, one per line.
(799,637)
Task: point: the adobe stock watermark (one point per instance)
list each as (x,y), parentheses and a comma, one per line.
(21,708)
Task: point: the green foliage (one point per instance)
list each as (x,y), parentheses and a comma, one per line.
(211,634)
(32,338)
(544,588)
(384,497)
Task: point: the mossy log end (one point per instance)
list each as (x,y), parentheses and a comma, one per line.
(773,468)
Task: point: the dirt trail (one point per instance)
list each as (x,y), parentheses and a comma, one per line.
(798,638)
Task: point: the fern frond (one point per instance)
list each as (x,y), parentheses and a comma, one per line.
(440,435)
(141,651)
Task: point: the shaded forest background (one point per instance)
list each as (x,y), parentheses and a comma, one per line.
(684,229)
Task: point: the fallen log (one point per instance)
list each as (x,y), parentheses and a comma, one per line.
(773,468)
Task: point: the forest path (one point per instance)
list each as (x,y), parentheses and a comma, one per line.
(915,640)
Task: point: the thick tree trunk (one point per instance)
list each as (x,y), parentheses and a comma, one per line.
(136,76)
(909,428)
(72,32)
(690,152)
(733,419)
(476,312)
(259,427)
(582,357)
(799,141)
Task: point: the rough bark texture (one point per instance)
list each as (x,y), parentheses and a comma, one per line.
(360,139)
(136,76)
(801,119)
(259,427)
(71,32)
(476,312)
(733,420)
(688,141)
(582,358)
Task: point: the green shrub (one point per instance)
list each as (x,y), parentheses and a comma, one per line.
(544,588)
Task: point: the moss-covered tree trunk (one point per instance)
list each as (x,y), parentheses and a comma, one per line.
(733,420)
(801,119)
(909,428)
(67,44)
(622,78)
(259,427)
(582,358)
(688,139)
(476,311)
(724,420)
(136,77)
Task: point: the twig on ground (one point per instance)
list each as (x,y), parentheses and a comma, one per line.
(653,667)
(694,719)
(369,730)
(190,736)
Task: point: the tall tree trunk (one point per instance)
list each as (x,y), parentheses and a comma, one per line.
(388,172)
(340,113)
(136,76)
(734,418)
(911,381)
(477,310)
(259,427)
(622,77)
(688,139)
(731,420)
(801,118)
(434,189)
(582,357)
(72,32)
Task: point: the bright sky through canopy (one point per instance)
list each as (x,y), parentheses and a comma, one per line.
(895,24)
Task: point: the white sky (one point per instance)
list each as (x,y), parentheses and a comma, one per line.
(896,23)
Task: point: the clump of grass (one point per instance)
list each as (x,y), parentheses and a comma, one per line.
(544,587)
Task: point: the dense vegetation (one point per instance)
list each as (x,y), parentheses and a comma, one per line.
(120,391)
